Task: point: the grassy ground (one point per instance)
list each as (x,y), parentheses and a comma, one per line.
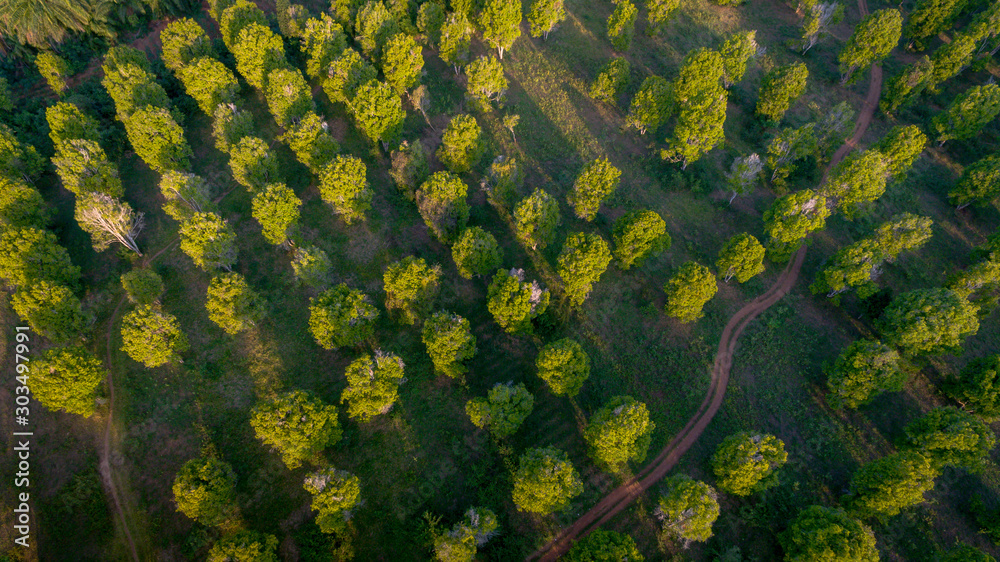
(425,456)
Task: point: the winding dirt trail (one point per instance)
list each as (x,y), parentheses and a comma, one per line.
(619,498)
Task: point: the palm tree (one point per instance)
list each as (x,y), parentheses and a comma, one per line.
(41,23)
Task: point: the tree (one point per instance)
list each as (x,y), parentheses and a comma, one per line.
(152,337)
(210,83)
(343,184)
(611,80)
(582,261)
(236,17)
(688,290)
(660,12)
(503,178)
(341,317)
(378,112)
(409,167)
(978,283)
(323,40)
(486,81)
(858,179)
(204,490)
(514,303)
(651,105)
(42,24)
(229,126)
(928,321)
(346,74)
(545,481)
(291,18)
(209,240)
(887,485)
(258,51)
(638,235)
(823,533)
(819,17)
(688,508)
(449,343)
(249,546)
(142,286)
(500,21)
(781,86)
(977,387)
(67,379)
(372,385)
(699,127)
(619,432)
(276,208)
(742,257)
(950,59)
(310,140)
(463,540)
(442,204)
(335,493)
(873,39)
(31,255)
(461,145)
(183,41)
(980,183)
(53,69)
(903,87)
(288,95)
(83,167)
(930,17)
(564,366)
(969,112)
(596,182)
(743,175)
(296,424)
(951,437)
(536,218)
(312,267)
(504,409)
(476,253)
(185,194)
(745,462)
(232,304)
(736,53)
(21,206)
(544,16)
(788,146)
(51,309)
(109,220)
(604,545)
(373,26)
(864,369)
(900,148)
(411,286)
(17,159)
(158,140)
(430,19)
(456,37)
(966,553)
(67,122)
(792,217)
(621,25)
(403,63)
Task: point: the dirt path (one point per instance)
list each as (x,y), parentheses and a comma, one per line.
(619,498)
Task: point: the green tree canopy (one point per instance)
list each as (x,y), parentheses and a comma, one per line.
(143,286)
(83,167)
(949,59)
(323,40)
(411,287)
(930,17)
(258,51)
(873,39)
(951,437)
(699,126)
(312,266)
(373,26)
(823,533)
(504,409)
(651,105)
(209,240)
(900,148)
(378,112)
(51,309)
(619,432)
(604,545)
(688,508)
(792,217)
(621,25)
(343,184)
(500,21)
(245,546)
(688,290)
(611,80)
(235,17)
(288,96)
(184,40)
(152,337)
(545,481)
(372,385)
(781,86)
(903,87)
(449,342)
(341,317)
(742,257)
(441,201)
(863,369)
(979,184)
(67,379)
(462,145)
(745,462)
(966,553)
(818,18)
(736,54)
(297,425)
(544,16)
(430,19)
(31,255)
(204,491)
(969,112)
(564,366)
(456,37)
(582,261)
(21,206)
(462,541)
(887,485)
(185,195)
(346,74)
(335,493)
(485,80)
(310,140)
(514,303)
(409,167)
(659,13)
(232,304)
(67,122)
(476,253)
(209,82)
(276,208)
(158,140)
(597,181)
(536,218)
(402,64)
(858,179)
(928,321)
(638,235)
(229,126)
(977,387)
(54,69)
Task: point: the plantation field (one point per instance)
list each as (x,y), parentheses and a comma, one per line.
(424,463)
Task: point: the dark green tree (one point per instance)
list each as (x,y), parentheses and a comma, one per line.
(604,545)
(143,286)
(619,432)
(564,366)
(781,86)
(980,183)
(621,25)
(873,39)
(638,235)
(951,437)
(611,80)
(449,342)
(504,409)
(249,546)
(977,387)
(442,203)
(514,303)
(823,533)
(32,255)
(582,261)
(969,112)
(928,321)
(232,304)
(883,487)
(204,490)
(341,317)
